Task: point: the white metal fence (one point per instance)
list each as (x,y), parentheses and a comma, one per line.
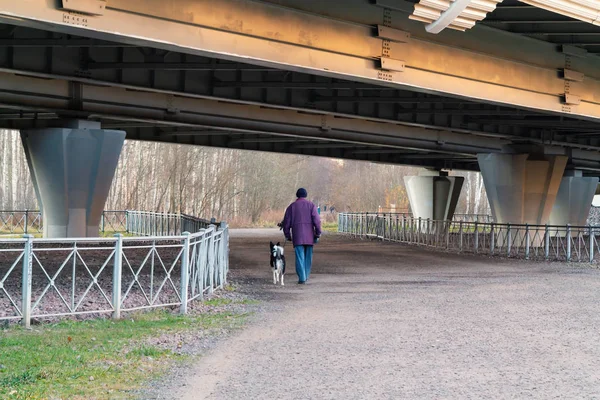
(24,221)
(456,217)
(539,242)
(42,278)
(145,223)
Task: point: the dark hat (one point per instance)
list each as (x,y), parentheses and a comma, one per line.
(301,193)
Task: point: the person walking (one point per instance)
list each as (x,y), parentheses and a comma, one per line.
(302,218)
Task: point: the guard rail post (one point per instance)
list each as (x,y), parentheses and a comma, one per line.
(26,282)
(185,272)
(117,274)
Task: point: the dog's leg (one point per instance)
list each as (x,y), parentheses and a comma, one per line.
(281,275)
(274,277)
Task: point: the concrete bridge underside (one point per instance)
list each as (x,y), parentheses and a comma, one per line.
(359,81)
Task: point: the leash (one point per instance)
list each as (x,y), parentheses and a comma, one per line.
(280,225)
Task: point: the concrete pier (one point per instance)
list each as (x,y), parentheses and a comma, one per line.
(522,188)
(72,170)
(574,199)
(433,194)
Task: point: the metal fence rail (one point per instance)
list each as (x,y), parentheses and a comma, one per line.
(148,223)
(456,217)
(42,278)
(472,218)
(113,221)
(144,223)
(537,242)
(24,221)
(31,221)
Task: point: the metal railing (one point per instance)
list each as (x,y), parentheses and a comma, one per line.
(536,242)
(456,217)
(472,218)
(147,223)
(42,278)
(23,221)
(144,223)
(114,221)
(31,221)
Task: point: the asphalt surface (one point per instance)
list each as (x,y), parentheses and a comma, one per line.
(389,321)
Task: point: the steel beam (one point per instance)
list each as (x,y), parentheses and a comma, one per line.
(348,85)
(172,66)
(485,65)
(389,99)
(193,115)
(59,43)
(331,150)
(30,93)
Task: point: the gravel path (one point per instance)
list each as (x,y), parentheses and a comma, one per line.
(387,321)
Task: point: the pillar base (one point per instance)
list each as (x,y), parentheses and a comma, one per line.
(574,199)
(72,170)
(521,188)
(433,194)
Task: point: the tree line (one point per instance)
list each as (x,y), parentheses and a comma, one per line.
(243,187)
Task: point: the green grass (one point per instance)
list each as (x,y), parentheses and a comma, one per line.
(112,234)
(217,302)
(95,359)
(329,226)
(8,235)
(229,288)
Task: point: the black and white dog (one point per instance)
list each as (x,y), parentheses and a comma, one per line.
(277,263)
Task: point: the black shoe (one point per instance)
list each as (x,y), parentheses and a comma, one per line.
(301,282)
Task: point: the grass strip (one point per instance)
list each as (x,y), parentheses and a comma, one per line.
(95,359)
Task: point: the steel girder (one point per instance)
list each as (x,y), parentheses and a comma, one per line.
(364,42)
(64,97)
(190,117)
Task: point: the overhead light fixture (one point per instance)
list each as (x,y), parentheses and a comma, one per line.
(583,10)
(464,14)
(453,14)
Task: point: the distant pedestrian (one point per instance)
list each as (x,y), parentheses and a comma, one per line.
(302,218)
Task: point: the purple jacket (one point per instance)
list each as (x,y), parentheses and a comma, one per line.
(303,219)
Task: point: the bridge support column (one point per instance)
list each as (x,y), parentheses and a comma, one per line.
(521,188)
(72,170)
(574,199)
(433,194)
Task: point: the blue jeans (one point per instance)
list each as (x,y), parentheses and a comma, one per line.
(304,255)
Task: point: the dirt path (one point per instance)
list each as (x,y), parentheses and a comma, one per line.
(386,321)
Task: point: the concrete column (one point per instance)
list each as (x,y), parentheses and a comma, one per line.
(72,170)
(433,194)
(521,188)
(596,200)
(574,199)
